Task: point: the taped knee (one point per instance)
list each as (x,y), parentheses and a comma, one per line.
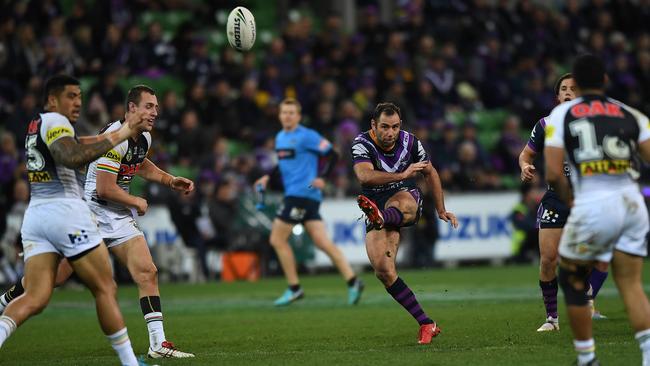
(573,281)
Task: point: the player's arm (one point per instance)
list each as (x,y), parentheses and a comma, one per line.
(329,160)
(66,151)
(554,158)
(368,176)
(433,180)
(107,189)
(526,159)
(150,171)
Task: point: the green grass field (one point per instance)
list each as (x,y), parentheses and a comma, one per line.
(488,317)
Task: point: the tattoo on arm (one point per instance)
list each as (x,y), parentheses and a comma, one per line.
(68,152)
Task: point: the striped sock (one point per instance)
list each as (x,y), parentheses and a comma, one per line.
(549,293)
(586,350)
(403,295)
(392,216)
(152,312)
(643,337)
(596,280)
(7,326)
(122,345)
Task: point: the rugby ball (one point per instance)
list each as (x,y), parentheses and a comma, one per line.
(240,29)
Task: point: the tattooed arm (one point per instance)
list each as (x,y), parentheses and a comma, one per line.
(68,152)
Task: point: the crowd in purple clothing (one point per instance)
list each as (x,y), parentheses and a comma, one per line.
(443,62)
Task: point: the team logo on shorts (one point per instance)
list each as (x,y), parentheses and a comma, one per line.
(79,238)
(550,216)
(297,213)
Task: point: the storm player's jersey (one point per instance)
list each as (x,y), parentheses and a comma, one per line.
(48,179)
(124,161)
(600,136)
(536,143)
(407,150)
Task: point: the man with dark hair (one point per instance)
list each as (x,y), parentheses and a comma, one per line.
(58,222)
(601,138)
(551,217)
(107,193)
(386,161)
(299,150)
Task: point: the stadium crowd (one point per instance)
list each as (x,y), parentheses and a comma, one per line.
(472,78)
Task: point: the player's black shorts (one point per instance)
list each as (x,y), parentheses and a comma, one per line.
(295,210)
(552,212)
(380,199)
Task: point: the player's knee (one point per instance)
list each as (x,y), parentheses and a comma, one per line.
(277,242)
(146,274)
(572,278)
(548,264)
(35,303)
(386,276)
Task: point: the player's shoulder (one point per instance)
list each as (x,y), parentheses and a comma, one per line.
(147,136)
(54,119)
(559,112)
(362,138)
(111,126)
(637,114)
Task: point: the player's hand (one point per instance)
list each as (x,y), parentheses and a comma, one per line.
(414,169)
(449,217)
(527,173)
(318,183)
(262,181)
(135,127)
(182,185)
(141,205)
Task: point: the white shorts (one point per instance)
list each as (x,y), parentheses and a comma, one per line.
(615,222)
(115,228)
(64,226)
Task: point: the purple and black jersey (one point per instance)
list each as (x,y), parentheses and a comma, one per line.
(536,143)
(407,150)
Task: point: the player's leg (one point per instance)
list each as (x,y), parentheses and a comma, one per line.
(400,209)
(318,233)
(596,279)
(280,232)
(549,239)
(381,246)
(64,272)
(627,271)
(40,271)
(94,269)
(134,254)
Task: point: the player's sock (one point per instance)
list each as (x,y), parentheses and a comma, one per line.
(122,345)
(152,311)
(7,326)
(294,288)
(403,295)
(392,216)
(596,280)
(15,291)
(643,337)
(549,293)
(586,350)
(352,281)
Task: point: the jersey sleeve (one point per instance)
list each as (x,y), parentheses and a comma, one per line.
(360,153)
(419,153)
(644,125)
(313,141)
(554,131)
(54,127)
(536,140)
(110,162)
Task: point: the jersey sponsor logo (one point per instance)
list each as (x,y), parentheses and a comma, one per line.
(286,153)
(113,155)
(33,126)
(39,177)
(129,170)
(611,167)
(56,132)
(596,108)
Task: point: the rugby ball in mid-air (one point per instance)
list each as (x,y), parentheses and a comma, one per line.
(240,29)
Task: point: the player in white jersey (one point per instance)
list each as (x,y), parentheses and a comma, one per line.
(107,193)
(58,223)
(601,138)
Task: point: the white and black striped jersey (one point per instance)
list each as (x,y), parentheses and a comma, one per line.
(600,136)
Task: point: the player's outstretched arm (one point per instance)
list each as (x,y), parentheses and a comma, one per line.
(107,189)
(526,158)
(433,180)
(69,153)
(368,176)
(150,171)
(554,158)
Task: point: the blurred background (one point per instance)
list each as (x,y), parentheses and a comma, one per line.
(471,77)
